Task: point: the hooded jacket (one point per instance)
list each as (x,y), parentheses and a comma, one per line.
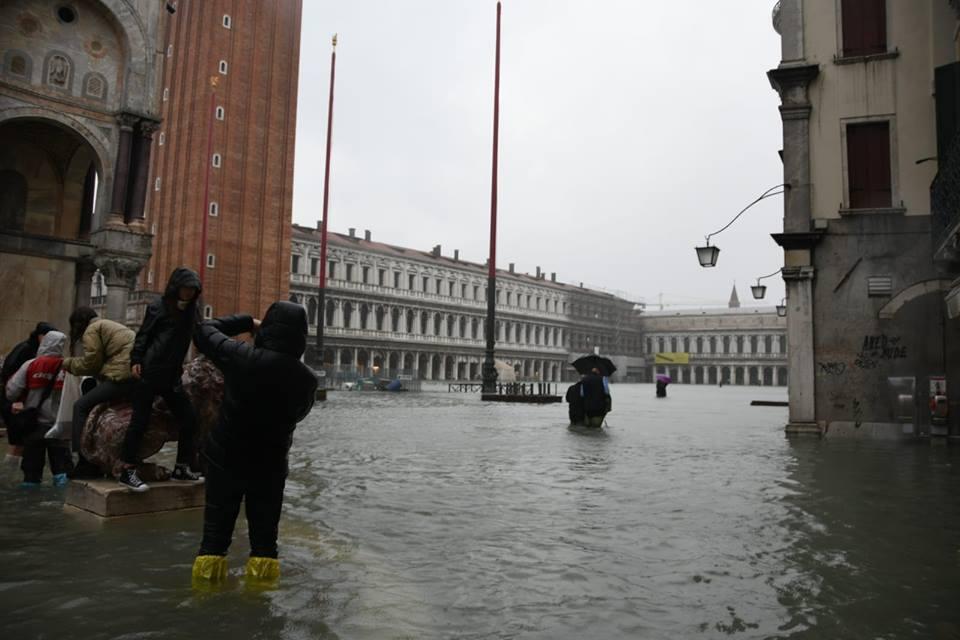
(24,351)
(31,380)
(267,390)
(106,351)
(164,337)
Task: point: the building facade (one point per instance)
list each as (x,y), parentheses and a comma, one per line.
(869,337)
(223,167)
(399,310)
(79,92)
(741,346)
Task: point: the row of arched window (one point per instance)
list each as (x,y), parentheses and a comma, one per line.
(717,344)
(372,317)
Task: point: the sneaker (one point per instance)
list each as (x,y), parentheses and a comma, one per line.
(182,472)
(60,480)
(130,479)
(29,485)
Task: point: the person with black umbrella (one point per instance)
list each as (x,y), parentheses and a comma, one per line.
(595,387)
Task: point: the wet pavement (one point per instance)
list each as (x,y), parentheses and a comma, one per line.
(434,515)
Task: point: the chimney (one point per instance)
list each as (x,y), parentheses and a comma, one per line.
(553,276)
(367,235)
(353,232)
(436,251)
(538,273)
(511,267)
(456,255)
(581,285)
(319,225)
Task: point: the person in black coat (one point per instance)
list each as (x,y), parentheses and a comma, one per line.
(24,351)
(575,400)
(595,391)
(157,363)
(267,391)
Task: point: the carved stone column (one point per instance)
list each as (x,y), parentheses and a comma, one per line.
(83,280)
(121,173)
(140,170)
(120,273)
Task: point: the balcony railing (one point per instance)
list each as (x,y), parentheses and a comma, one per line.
(430,340)
(945,203)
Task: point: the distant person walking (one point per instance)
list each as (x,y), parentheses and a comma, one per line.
(267,391)
(595,391)
(157,364)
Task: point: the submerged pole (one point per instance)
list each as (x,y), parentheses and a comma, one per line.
(322,307)
(489,368)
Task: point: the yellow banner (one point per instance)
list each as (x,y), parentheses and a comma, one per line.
(672,358)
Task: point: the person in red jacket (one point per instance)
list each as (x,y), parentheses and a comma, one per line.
(36,387)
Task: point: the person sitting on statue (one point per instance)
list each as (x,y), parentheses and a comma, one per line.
(34,391)
(157,364)
(106,347)
(267,391)
(595,391)
(24,351)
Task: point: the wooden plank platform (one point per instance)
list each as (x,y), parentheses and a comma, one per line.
(525,398)
(107,499)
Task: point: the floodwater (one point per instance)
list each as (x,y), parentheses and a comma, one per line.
(434,515)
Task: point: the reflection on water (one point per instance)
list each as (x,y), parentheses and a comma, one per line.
(435,515)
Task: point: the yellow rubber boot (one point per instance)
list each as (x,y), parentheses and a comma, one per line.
(263,571)
(209,569)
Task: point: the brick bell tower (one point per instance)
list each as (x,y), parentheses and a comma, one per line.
(221,188)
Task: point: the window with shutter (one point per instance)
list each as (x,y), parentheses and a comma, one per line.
(864,27)
(868,165)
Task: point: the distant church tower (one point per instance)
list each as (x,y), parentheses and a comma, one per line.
(734,299)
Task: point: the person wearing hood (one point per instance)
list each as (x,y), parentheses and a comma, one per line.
(267,391)
(21,353)
(34,391)
(105,346)
(157,363)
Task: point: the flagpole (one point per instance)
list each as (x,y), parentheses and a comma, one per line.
(489,368)
(322,307)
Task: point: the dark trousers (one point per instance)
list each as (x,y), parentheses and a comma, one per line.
(14,437)
(263,496)
(33,459)
(105,391)
(180,406)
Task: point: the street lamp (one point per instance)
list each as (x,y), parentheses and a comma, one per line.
(782,308)
(707,255)
(758,290)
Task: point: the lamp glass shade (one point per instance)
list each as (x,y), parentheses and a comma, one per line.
(758,291)
(708,256)
(782,310)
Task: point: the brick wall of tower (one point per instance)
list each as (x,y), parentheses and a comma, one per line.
(253,188)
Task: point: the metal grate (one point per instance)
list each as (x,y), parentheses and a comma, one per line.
(879,286)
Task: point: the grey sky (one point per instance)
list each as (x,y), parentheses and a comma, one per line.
(629,130)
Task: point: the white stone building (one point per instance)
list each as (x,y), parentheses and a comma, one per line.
(393,309)
(741,346)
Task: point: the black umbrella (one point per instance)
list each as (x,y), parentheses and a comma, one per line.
(586,363)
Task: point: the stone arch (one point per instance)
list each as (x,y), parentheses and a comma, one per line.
(98,142)
(393,363)
(58,71)
(312,310)
(364,315)
(411,322)
(936,285)
(330,313)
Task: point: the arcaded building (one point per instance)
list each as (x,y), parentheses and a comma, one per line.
(224,153)
(79,91)
(399,310)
